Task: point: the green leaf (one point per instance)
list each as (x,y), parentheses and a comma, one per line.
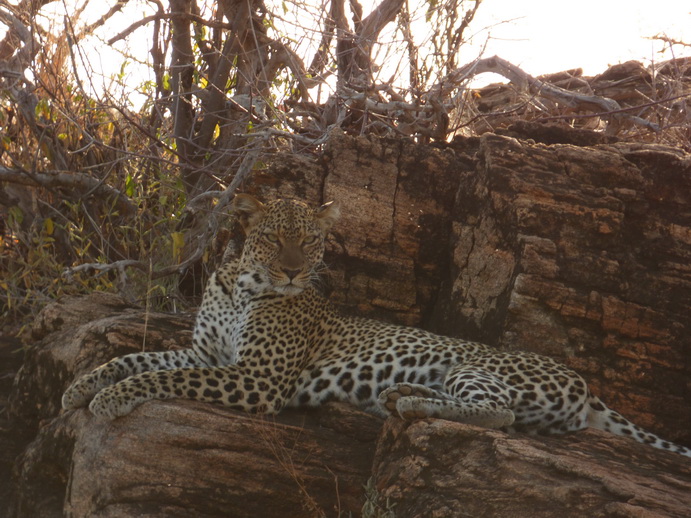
(48,226)
(16,215)
(42,109)
(129,185)
(178,244)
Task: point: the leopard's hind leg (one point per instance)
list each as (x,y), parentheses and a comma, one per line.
(411,401)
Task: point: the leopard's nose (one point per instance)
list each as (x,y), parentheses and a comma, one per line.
(291,273)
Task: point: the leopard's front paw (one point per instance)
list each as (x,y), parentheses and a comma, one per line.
(80,392)
(113,401)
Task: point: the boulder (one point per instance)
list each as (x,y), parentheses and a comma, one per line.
(183,458)
(170,458)
(434,468)
(577,252)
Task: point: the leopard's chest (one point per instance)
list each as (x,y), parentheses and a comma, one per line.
(264,326)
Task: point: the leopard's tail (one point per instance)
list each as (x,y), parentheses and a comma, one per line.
(603,418)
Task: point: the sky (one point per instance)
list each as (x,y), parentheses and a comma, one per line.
(551,35)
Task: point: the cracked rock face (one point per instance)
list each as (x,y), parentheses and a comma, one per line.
(580,253)
(437,468)
(591,254)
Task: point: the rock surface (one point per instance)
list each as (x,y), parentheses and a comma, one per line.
(437,468)
(183,458)
(580,253)
(170,457)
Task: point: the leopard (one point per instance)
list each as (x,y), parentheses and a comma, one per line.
(266,339)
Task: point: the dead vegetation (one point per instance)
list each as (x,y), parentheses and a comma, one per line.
(97,193)
(627,101)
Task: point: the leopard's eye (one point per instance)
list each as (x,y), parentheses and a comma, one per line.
(271,238)
(309,240)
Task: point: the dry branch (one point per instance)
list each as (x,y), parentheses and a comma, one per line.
(616,112)
(232,93)
(79,185)
(373,24)
(425,117)
(525,81)
(21,60)
(89,29)
(167,16)
(429,117)
(671,41)
(213,223)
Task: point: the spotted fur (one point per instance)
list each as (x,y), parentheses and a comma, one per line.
(266,339)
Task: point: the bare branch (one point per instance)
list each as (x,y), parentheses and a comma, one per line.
(202,240)
(89,29)
(320,59)
(81,183)
(23,58)
(670,41)
(120,266)
(525,81)
(284,56)
(354,51)
(455,45)
(373,24)
(168,16)
(637,107)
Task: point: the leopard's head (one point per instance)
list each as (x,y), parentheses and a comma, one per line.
(285,240)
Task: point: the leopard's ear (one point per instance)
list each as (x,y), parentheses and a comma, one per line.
(327,215)
(249,210)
